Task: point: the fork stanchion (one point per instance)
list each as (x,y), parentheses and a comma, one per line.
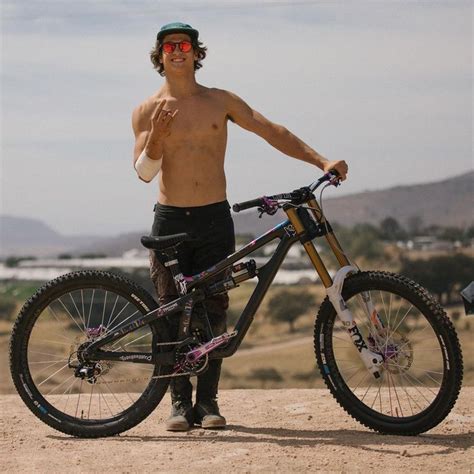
(330,237)
(309,247)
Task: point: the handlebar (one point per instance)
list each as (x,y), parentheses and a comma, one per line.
(241,206)
(266,203)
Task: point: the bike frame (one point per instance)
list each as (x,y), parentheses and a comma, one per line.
(299,226)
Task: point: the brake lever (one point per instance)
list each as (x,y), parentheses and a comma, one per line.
(334,179)
(269,206)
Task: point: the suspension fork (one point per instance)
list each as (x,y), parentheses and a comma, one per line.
(372,360)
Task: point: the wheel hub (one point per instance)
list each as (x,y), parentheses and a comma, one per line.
(85,369)
(398,354)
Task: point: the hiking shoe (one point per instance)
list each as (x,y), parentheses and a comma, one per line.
(181,418)
(206,414)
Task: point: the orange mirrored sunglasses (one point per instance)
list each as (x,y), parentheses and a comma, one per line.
(170,46)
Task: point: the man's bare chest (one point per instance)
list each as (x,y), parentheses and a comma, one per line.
(197,120)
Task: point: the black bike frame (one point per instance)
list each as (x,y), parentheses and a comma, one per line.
(288,236)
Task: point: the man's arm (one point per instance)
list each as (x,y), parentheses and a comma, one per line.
(277,135)
(149,139)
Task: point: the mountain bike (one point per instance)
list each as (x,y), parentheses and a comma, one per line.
(91,353)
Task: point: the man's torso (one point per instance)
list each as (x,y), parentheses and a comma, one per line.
(192,172)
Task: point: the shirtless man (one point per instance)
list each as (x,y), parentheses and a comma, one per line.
(181,135)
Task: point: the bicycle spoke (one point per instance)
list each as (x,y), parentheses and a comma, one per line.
(90,308)
(57,342)
(90,401)
(52,375)
(360,381)
(82,304)
(416,388)
(360,368)
(71,316)
(113,311)
(377,395)
(137,339)
(112,393)
(408,398)
(121,311)
(105,400)
(81,318)
(43,369)
(383,305)
(401,321)
(122,322)
(103,309)
(50,309)
(43,353)
(62,383)
(420,382)
(396,395)
(389,308)
(69,390)
(368,388)
(47,361)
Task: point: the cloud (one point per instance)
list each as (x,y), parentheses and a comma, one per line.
(385,85)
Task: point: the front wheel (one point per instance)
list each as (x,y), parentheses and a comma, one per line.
(422,371)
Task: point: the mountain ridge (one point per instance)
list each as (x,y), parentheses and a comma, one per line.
(447,203)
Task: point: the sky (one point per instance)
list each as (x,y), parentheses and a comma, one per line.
(385,85)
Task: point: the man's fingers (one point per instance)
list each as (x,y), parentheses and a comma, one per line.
(170,116)
(342,170)
(158,109)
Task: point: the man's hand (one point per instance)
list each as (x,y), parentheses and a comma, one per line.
(340,166)
(161,121)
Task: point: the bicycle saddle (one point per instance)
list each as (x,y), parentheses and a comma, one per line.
(164,242)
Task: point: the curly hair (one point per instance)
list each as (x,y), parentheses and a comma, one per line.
(156,52)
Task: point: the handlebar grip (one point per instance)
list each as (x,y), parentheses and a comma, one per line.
(241,206)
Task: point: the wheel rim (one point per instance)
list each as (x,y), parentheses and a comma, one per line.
(70,319)
(414,368)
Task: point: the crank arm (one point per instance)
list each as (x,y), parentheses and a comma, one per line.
(372,360)
(203,349)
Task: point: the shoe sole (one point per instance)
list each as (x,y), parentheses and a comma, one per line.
(217,424)
(178,427)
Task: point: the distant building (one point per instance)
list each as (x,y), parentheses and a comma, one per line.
(428,242)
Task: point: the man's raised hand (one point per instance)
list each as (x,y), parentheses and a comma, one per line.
(161,120)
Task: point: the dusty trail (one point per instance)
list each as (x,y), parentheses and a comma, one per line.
(293,430)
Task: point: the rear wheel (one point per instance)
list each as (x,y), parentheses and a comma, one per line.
(422,371)
(65,313)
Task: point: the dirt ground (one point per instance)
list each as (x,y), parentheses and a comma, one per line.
(292,430)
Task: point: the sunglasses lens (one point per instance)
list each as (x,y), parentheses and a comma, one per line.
(185,46)
(168,47)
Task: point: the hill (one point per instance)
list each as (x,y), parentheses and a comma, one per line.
(445,203)
(25,236)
